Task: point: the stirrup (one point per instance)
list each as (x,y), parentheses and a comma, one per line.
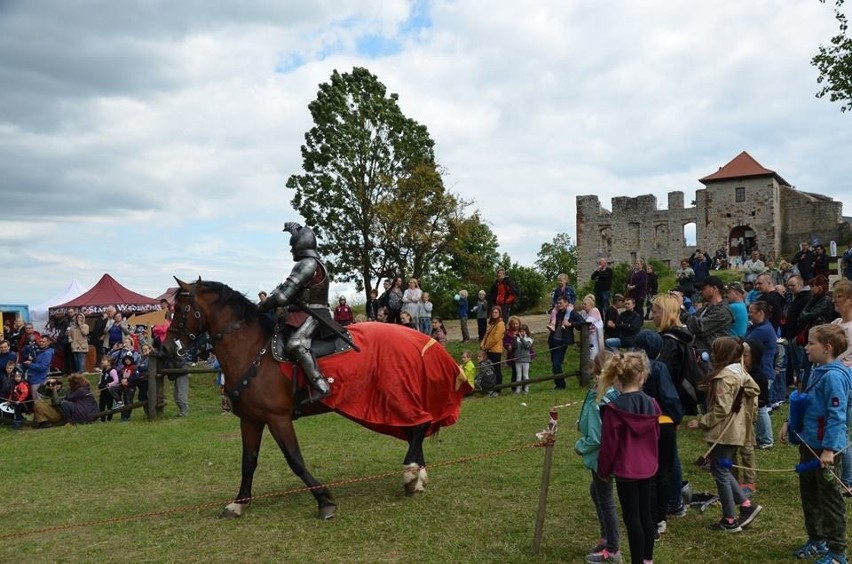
(315,395)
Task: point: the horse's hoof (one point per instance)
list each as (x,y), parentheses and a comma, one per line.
(326,512)
(232,511)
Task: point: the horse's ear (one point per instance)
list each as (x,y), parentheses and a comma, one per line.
(181,284)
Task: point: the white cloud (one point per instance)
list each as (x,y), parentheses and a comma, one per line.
(148,139)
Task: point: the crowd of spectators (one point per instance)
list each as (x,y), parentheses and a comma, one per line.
(32,380)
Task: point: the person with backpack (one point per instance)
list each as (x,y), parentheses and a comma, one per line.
(676,346)
(659,386)
(503,293)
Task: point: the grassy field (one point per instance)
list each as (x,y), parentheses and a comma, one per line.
(151,492)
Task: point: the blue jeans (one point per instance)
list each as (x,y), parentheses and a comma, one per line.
(763,426)
(612,343)
(675,492)
(602,301)
(730,494)
(557,357)
(80,361)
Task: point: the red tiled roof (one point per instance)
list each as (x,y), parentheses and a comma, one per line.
(741,166)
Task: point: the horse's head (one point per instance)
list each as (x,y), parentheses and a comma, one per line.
(187,324)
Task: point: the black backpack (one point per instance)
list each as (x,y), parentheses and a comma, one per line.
(692,372)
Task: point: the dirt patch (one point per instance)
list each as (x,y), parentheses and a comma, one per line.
(537,324)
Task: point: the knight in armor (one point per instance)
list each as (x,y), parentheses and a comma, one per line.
(306,287)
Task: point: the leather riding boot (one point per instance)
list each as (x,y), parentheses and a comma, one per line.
(313,375)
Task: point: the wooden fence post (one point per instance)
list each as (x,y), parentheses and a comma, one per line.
(155,382)
(548,438)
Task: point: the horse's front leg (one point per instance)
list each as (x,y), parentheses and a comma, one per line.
(284,434)
(252,433)
(414,477)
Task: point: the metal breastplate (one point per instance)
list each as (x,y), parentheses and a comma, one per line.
(315,293)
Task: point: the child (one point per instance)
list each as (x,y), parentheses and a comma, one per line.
(481,314)
(109,378)
(486,376)
(523,347)
(588,446)
(7,380)
(822,433)
(425,314)
(406,321)
(373,305)
(19,398)
(752,362)
(731,408)
(469,368)
(629,435)
(439,332)
(509,346)
(127,386)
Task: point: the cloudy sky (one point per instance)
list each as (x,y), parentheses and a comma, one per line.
(150,138)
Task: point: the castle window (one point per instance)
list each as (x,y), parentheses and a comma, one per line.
(740,193)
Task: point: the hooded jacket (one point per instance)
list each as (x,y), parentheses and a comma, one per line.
(722,392)
(589,444)
(630,433)
(825,423)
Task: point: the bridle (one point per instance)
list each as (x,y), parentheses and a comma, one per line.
(179,324)
(178,327)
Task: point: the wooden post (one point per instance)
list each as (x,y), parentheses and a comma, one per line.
(585,365)
(154,385)
(548,436)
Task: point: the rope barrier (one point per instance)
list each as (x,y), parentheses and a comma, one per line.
(212,504)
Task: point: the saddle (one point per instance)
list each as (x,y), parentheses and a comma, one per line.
(323,344)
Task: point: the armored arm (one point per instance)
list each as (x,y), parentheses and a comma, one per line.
(299,278)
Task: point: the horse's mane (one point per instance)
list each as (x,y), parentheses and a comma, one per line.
(240,305)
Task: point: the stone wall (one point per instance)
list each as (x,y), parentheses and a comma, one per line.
(760,210)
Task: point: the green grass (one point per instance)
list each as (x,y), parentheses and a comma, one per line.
(477,510)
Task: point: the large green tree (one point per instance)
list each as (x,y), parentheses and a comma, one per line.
(834,63)
(370,187)
(560,255)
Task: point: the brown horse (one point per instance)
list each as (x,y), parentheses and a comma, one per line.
(397,384)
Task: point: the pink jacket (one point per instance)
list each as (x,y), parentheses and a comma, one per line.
(629,435)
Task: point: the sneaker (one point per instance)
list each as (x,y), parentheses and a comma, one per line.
(723,526)
(604,556)
(747,514)
(677,511)
(810,549)
(832,558)
(598,547)
(118,405)
(657,535)
(766,446)
(662,527)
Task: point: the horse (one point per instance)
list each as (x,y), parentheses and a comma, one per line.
(400,383)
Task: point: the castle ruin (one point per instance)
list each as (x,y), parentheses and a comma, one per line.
(742,205)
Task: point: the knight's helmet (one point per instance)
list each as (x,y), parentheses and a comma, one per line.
(303,242)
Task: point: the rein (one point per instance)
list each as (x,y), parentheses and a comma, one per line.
(179,328)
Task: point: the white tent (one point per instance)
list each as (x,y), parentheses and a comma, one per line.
(38,313)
